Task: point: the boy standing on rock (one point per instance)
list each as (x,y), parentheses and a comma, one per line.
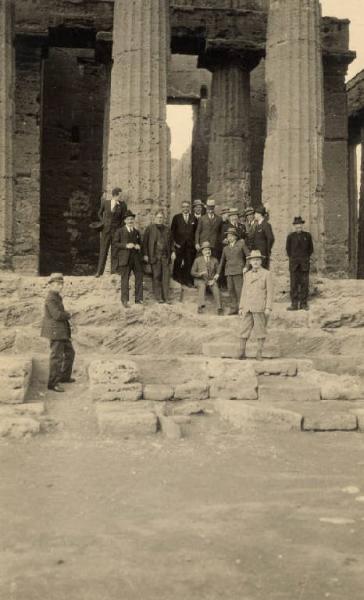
(255,302)
(57,329)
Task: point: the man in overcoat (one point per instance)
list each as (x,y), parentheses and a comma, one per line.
(128,245)
(255,303)
(263,238)
(111,213)
(209,229)
(158,251)
(183,235)
(57,329)
(232,265)
(299,248)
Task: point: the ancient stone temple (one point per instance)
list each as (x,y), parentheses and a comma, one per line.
(83,97)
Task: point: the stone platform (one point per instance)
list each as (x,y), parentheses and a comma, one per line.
(178,364)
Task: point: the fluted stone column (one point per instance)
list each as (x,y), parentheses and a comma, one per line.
(361,213)
(138,151)
(7,87)
(229,148)
(293,160)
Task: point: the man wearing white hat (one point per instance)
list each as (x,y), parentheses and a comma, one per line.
(209,229)
(56,328)
(256,302)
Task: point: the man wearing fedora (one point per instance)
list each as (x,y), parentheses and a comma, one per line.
(158,251)
(255,303)
(111,215)
(57,329)
(263,238)
(198,209)
(128,245)
(183,228)
(249,222)
(205,271)
(232,264)
(209,229)
(299,248)
(233,222)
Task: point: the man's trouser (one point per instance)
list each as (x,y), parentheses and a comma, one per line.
(234,286)
(125,272)
(258,320)
(201,287)
(299,286)
(60,361)
(106,241)
(161,278)
(183,265)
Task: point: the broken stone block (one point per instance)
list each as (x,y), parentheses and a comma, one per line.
(287,368)
(170,428)
(116,372)
(221,349)
(289,390)
(14,379)
(158,393)
(125,422)
(18,427)
(188,408)
(242,415)
(128,392)
(360,416)
(331,422)
(194,390)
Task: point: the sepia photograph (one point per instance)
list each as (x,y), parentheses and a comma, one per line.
(181,299)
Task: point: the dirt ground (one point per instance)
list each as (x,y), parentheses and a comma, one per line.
(219,515)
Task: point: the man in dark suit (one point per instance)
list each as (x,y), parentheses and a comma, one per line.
(299,248)
(233,222)
(183,235)
(232,264)
(209,229)
(249,223)
(127,242)
(205,270)
(56,328)
(263,238)
(158,250)
(111,213)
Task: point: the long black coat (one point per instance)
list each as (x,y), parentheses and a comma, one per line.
(112,219)
(150,240)
(299,248)
(263,238)
(55,325)
(183,233)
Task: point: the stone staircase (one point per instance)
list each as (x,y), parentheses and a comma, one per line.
(180,364)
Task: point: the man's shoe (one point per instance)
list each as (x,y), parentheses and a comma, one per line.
(200,309)
(56,388)
(293,307)
(233,311)
(139,302)
(220,311)
(70,380)
(305,307)
(125,304)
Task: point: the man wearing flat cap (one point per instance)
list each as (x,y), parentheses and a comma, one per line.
(263,238)
(57,329)
(209,229)
(299,247)
(128,246)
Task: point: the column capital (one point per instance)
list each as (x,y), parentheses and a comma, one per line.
(222,53)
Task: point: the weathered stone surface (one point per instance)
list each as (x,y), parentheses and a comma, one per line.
(112,372)
(15,376)
(170,428)
(194,390)
(286,368)
(138,138)
(18,426)
(158,393)
(242,415)
(359,413)
(127,392)
(31,409)
(338,387)
(232,350)
(331,422)
(124,421)
(235,380)
(188,408)
(297,389)
(293,160)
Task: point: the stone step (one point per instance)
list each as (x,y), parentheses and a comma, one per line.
(294,390)
(232,350)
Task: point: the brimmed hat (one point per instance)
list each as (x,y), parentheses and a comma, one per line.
(210,202)
(96,225)
(255,254)
(129,213)
(260,210)
(233,231)
(298,221)
(197,202)
(234,211)
(224,210)
(249,211)
(56,277)
(205,245)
